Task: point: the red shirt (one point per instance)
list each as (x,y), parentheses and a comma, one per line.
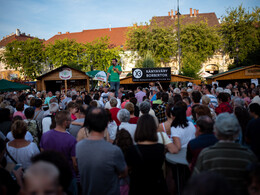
(223,107)
(133,120)
(114,112)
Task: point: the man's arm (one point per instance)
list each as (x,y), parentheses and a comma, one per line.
(108,74)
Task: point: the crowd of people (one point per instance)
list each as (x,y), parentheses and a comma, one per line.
(114,142)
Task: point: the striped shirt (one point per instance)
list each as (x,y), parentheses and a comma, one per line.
(228,159)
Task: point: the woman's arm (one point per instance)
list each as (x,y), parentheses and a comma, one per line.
(172,148)
(177,142)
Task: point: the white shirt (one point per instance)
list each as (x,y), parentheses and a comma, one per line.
(161,136)
(46,124)
(185,134)
(111,128)
(28,136)
(22,155)
(129,127)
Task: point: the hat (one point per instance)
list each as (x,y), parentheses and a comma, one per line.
(227,124)
(256,99)
(30,96)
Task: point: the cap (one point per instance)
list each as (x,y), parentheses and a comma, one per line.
(189,84)
(30,96)
(227,124)
(177,90)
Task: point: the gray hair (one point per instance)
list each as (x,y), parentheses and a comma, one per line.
(69,94)
(123,115)
(43,169)
(53,107)
(145,107)
(238,102)
(219,90)
(113,102)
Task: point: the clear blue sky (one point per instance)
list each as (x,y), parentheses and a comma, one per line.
(45,18)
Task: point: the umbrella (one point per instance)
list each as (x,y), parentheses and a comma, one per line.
(97,75)
(6,85)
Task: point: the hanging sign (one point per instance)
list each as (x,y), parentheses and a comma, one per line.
(151,74)
(65,74)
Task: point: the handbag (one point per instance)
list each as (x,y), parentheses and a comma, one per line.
(10,166)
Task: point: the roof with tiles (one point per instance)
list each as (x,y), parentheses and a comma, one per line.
(117,36)
(14,37)
(185,19)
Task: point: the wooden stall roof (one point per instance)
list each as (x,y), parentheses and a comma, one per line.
(174,78)
(244,72)
(54,74)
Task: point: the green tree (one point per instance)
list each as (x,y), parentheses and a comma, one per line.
(65,52)
(159,41)
(99,54)
(198,43)
(25,56)
(241,35)
(146,62)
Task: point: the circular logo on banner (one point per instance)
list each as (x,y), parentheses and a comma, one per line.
(65,74)
(138,73)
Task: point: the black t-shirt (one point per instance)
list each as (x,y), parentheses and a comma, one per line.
(146,176)
(253,134)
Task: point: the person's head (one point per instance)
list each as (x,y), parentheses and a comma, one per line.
(96,96)
(72,107)
(169,110)
(165,97)
(133,100)
(29,113)
(63,118)
(4,114)
(20,106)
(130,107)
(74,98)
(177,98)
(114,61)
(96,120)
(215,183)
(113,102)
(187,100)
(38,103)
(223,97)
(219,90)
(53,107)
(93,103)
(57,94)
(139,88)
(205,100)
(205,124)
(123,140)
(202,110)
(60,161)
(145,107)
(123,115)
(42,178)
(227,127)
(195,96)
(158,95)
(146,129)
(178,114)
(238,102)
(19,129)
(206,89)
(254,110)
(49,94)
(105,89)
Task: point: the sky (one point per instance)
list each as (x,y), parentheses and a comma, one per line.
(45,18)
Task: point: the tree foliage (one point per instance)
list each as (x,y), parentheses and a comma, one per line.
(65,52)
(241,35)
(26,56)
(146,62)
(198,43)
(99,53)
(159,41)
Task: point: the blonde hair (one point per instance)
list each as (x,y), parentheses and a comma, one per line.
(205,100)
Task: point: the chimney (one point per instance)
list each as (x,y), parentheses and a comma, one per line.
(135,25)
(67,32)
(28,35)
(17,32)
(197,12)
(176,14)
(190,12)
(194,12)
(169,13)
(110,27)
(59,33)
(172,13)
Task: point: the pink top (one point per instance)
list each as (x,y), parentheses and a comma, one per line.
(19,113)
(123,104)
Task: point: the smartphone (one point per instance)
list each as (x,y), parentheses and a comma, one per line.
(17,166)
